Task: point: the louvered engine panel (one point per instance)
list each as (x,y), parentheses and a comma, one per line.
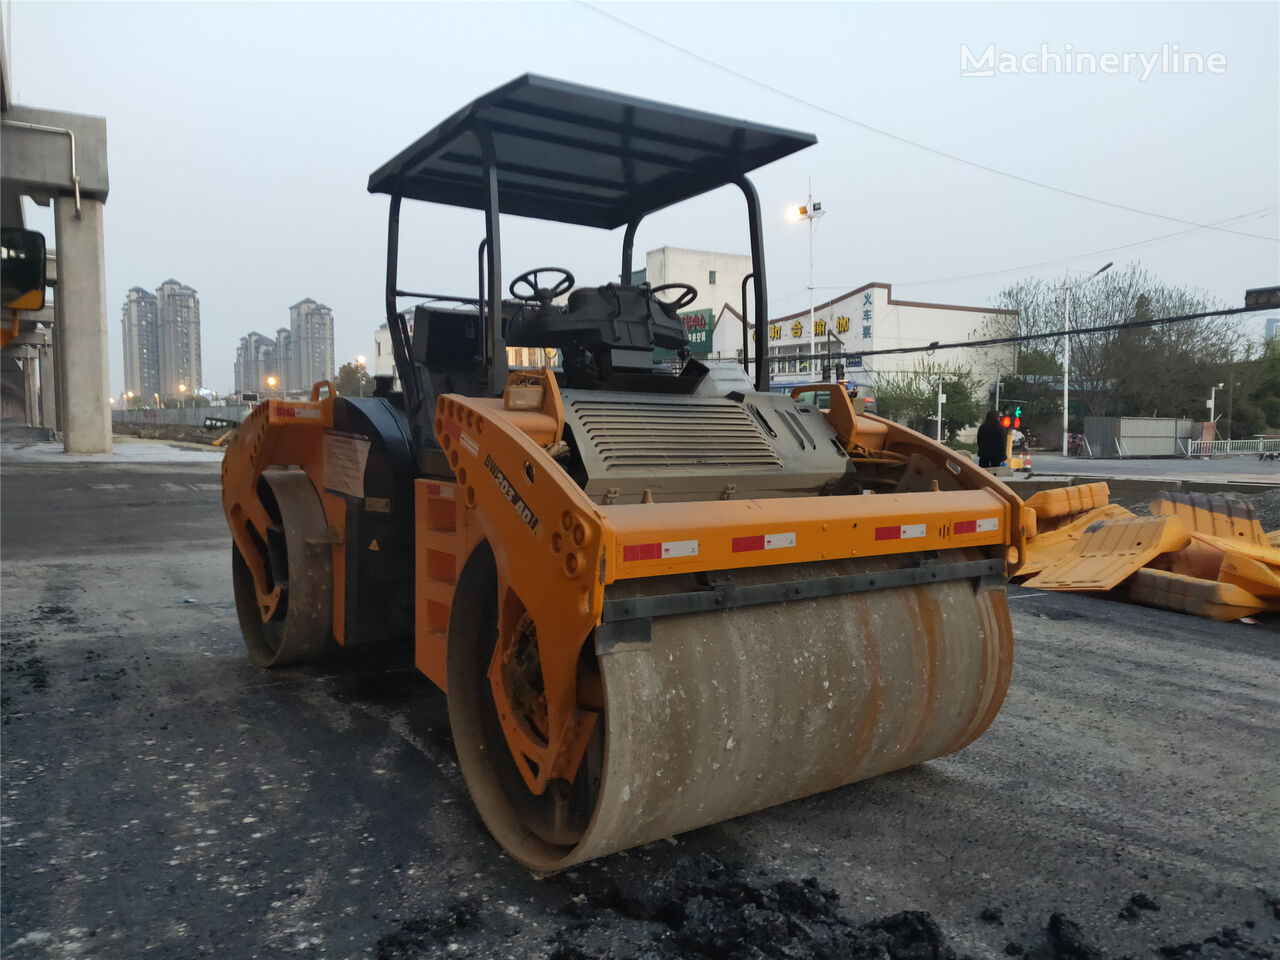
(661,434)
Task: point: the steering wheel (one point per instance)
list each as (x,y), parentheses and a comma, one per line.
(538,294)
(689,295)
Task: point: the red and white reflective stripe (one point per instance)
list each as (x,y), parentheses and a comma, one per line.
(283,411)
(908,531)
(764,541)
(985,525)
(439,490)
(660,551)
(469,444)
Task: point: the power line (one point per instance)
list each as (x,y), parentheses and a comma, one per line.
(1028,337)
(1048,263)
(1096,253)
(913,143)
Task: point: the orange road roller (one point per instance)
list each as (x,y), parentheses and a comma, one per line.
(657,594)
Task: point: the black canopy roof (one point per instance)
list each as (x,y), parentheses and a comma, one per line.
(575,154)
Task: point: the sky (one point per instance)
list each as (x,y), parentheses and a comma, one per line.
(241,137)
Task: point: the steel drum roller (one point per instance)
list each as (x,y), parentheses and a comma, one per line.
(725,713)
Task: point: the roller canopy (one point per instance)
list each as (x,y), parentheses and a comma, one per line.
(575,154)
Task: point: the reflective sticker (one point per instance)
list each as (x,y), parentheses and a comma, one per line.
(469,444)
(660,551)
(440,490)
(642,551)
(680,548)
(766,541)
(907,531)
(307,412)
(977,526)
(373,545)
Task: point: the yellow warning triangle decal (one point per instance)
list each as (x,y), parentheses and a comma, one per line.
(373,545)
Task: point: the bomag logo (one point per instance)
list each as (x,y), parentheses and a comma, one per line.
(508,491)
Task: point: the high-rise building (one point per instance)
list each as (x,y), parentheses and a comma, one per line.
(256,361)
(178,309)
(140,322)
(284,358)
(310,344)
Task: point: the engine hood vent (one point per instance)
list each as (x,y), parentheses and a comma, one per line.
(696,448)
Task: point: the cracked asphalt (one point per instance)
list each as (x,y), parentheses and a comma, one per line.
(162,797)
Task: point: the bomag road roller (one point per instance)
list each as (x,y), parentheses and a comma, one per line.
(657,596)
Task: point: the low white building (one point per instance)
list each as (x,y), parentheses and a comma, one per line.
(868,319)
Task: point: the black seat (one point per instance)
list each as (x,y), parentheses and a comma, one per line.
(610,317)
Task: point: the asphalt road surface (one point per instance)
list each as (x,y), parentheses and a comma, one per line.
(164,798)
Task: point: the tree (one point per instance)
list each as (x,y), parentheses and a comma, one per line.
(1252,394)
(1137,370)
(911,397)
(353,381)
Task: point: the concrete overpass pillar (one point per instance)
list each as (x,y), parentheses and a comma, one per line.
(31,390)
(81,326)
(48,388)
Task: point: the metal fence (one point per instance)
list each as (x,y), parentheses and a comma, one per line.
(1233,448)
(1120,437)
(184,416)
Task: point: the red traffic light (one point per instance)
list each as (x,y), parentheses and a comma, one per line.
(1017,421)
(1006,421)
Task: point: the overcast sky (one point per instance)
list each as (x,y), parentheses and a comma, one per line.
(241,137)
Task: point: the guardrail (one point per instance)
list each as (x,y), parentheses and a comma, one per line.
(1233,448)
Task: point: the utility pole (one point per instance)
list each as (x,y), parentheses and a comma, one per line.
(942,398)
(811,211)
(1066,349)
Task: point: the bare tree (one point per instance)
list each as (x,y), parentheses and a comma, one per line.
(1160,370)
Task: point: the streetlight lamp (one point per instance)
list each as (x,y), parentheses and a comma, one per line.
(360,362)
(811,211)
(128,396)
(182,395)
(271,383)
(1066,351)
(1212,420)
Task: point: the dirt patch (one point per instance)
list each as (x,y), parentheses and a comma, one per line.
(699,908)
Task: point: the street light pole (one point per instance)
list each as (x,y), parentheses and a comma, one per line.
(1212,420)
(811,211)
(1066,351)
(941,399)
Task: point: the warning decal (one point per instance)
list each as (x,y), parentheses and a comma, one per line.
(344,460)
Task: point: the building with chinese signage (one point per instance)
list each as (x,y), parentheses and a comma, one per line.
(869,319)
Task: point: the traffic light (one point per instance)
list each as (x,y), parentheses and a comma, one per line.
(1006,421)
(1017,416)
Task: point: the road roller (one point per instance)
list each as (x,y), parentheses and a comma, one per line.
(656,596)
